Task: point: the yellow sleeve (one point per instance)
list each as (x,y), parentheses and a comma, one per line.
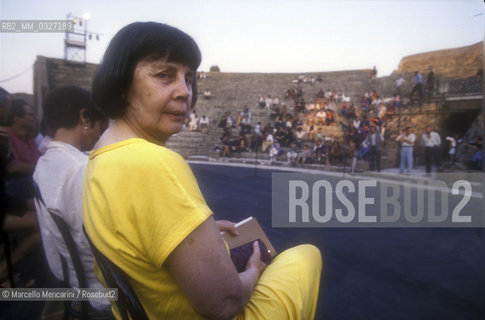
(168,203)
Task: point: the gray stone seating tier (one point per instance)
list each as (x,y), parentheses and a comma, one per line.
(232,91)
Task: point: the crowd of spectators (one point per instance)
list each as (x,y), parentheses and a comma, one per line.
(296,130)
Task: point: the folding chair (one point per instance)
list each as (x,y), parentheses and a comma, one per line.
(87,312)
(128,304)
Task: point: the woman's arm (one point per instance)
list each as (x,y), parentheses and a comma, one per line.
(202,268)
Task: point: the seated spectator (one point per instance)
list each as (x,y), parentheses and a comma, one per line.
(289,137)
(289,121)
(77,125)
(255,142)
(257,129)
(204,124)
(43,138)
(336,155)
(246,124)
(207,94)
(18,222)
(165,238)
(274,151)
(280,134)
(300,135)
(329,119)
(476,162)
(292,155)
(319,134)
(229,120)
(310,120)
(262,102)
(304,155)
(312,134)
(320,118)
(223,120)
(275,112)
(23,125)
(267,129)
(382,111)
(319,150)
(194,122)
(279,123)
(268,141)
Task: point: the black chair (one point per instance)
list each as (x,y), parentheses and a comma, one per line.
(87,311)
(128,304)
(5,238)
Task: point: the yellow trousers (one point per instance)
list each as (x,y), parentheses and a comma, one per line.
(288,287)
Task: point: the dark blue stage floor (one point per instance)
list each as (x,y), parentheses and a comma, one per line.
(368,273)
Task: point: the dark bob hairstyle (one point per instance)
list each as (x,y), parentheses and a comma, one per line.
(63,105)
(136,42)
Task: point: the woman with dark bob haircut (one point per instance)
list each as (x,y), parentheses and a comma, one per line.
(142,205)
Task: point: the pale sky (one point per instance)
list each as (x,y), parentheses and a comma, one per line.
(256,35)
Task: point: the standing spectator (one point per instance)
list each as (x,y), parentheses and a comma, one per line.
(353,153)
(452,149)
(430,83)
(374,140)
(418,85)
(269,102)
(406,139)
(399,84)
(431,142)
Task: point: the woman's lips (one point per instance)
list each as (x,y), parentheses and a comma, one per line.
(176,115)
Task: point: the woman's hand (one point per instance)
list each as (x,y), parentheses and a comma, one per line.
(227,226)
(254,261)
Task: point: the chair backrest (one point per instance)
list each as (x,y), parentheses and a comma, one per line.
(127,303)
(73,253)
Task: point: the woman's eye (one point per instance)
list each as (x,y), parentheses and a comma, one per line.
(163,75)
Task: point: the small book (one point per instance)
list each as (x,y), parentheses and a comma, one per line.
(241,246)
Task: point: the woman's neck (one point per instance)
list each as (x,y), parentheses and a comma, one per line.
(120,130)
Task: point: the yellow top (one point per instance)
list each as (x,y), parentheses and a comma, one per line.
(140,201)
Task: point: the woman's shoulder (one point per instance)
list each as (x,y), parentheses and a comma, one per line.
(138,151)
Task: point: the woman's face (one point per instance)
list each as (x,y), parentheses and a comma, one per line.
(159,98)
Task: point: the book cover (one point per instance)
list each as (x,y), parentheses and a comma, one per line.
(241,246)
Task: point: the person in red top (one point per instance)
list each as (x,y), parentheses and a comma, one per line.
(21,131)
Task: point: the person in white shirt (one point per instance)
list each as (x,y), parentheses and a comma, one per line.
(204,124)
(194,122)
(431,142)
(267,142)
(406,139)
(77,125)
